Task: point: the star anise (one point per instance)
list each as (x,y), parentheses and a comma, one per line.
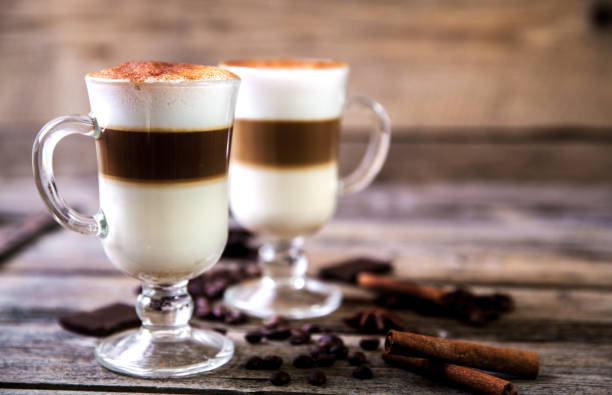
(374,320)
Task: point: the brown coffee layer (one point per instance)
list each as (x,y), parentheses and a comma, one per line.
(163,156)
(285,143)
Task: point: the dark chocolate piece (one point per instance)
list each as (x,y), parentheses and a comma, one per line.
(103,321)
(347,271)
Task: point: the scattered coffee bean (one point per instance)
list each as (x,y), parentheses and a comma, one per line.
(238,247)
(362,373)
(275,322)
(279,333)
(317,378)
(203,308)
(280,378)
(303,361)
(254,363)
(213,283)
(234,317)
(253,337)
(369,344)
(272,362)
(329,341)
(317,350)
(299,337)
(219,311)
(311,328)
(324,360)
(357,358)
(340,351)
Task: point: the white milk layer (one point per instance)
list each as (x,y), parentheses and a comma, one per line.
(283,202)
(276,93)
(164,233)
(163,105)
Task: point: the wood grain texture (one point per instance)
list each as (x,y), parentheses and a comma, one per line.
(417,155)
(549,247)
(430,63)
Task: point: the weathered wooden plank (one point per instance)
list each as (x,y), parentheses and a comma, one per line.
(440,63)
(540,315)
(497,154)
(461,234)
(39,352)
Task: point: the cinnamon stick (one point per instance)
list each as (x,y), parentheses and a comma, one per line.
(465,377)
(390,285)
(516,362)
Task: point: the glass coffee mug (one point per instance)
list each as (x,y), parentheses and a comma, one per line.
(284,175)
(162,134)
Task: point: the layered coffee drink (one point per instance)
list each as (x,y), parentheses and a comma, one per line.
(283,168)
(163,149)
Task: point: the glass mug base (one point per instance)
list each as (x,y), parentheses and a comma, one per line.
(158,354)
(293,298)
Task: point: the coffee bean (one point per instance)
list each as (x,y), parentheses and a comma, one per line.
(324,360)
(299,339)
(317,378)
(253,337)
(316,350)
(303,361)
(280,378)
(272,362)
(280,333)
(330,341)
(340,351)
(357,358)
(222,331)
(311,328)
(235,317)
(203,308)
(362,373)
(219,311)
(254,363)
(369,344)
(275,322)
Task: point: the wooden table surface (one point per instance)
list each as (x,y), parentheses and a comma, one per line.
(550,247)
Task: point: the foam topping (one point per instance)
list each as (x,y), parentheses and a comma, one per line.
(163,71)
(285,63)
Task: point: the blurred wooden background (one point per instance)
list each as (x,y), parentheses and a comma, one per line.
(476,90)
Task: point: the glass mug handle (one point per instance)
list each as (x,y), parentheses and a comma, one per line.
(42,164)
(375,156)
